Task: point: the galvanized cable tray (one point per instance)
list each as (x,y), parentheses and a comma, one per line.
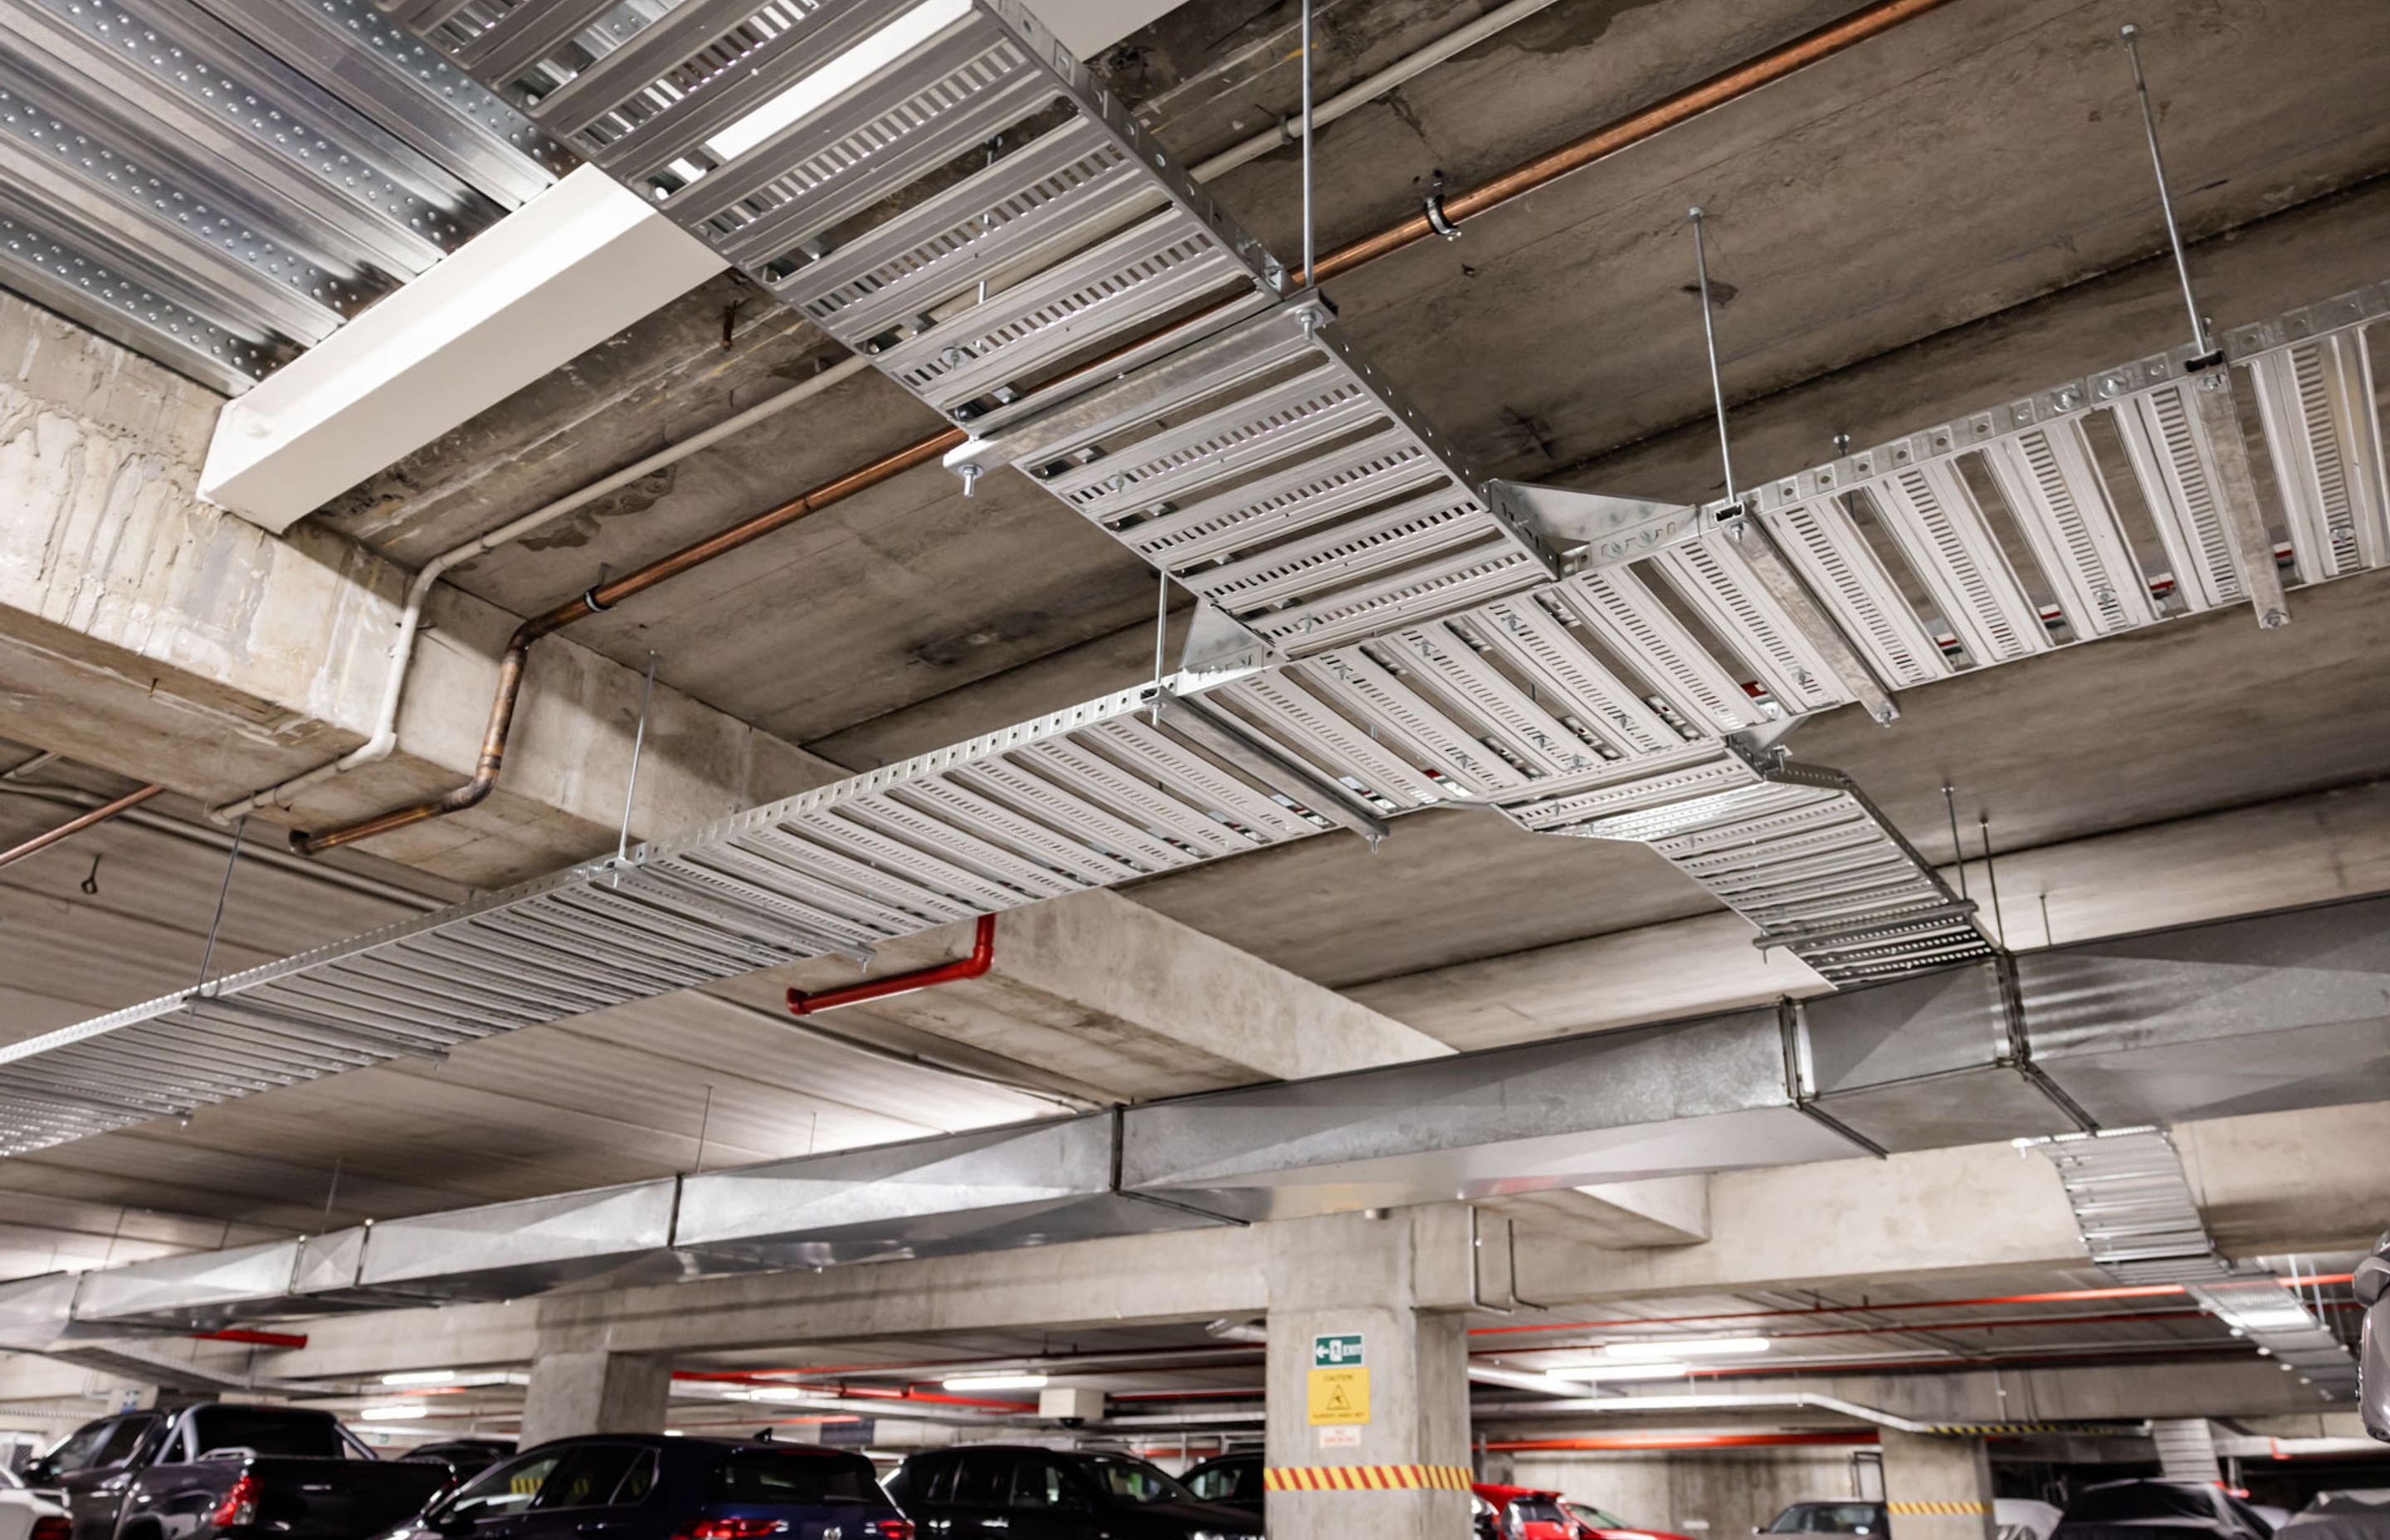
(942,187)
(1803,854)
(2140,1224)
(1280,478)
(2101,504)
(1080,798)
(175,180)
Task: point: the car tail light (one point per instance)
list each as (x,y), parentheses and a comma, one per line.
(889,1529)
(50,1526)
(732,1529)
(239,1507)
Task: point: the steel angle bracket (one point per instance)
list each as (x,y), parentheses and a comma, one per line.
(1220,650)
(1220,735)
(1591,529)
(1791,593)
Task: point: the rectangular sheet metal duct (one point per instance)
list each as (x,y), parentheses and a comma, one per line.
(2273,1013)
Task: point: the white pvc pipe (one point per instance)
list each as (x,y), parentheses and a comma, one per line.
(410,618)
(1363,91)
(410,621)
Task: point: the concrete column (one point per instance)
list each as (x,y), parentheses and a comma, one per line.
(594,1393)
(1938,1488)
(1386,1286)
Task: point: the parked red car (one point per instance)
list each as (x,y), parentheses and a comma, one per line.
(1593,1524)
(1522,1513)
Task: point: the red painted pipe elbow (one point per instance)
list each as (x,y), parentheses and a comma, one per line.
(983,955)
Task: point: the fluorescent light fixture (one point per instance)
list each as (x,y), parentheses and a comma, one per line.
(393,1414)
(1608,1370)
(1683,1347)
(997,1382)
(857,64)
(787,1393)
(420,1377)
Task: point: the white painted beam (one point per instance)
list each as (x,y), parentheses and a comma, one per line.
(558,275)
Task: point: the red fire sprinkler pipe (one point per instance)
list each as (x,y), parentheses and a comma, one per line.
(254,1338)
(982,953)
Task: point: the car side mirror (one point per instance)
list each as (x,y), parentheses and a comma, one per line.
(41,1471)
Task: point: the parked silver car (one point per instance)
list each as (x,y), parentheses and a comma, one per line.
(2372,1287)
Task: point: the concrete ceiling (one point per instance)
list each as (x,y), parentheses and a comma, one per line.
(1952,213)
(1939,219)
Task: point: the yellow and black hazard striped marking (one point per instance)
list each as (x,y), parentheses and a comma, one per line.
(1366,1478)
(1953,1509)
(1995,1429)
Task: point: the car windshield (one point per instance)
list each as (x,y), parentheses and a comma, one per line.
(1538,1510)
(1829,1519)
(1599,1518)
(267,1431)
(792,1480)
(1128,1480)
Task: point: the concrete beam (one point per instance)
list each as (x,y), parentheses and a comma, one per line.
(2307,849)
(1664,1210)
(148,632)
(2257,1178)
(1124,1004)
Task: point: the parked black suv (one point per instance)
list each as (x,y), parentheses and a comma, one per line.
(223,1470)
(1003,1491)
(1231,1481)
(644,1486)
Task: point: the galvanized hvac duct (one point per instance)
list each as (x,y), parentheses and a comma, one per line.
(2268,1014)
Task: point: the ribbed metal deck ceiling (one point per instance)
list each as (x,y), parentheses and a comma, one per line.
(220,184)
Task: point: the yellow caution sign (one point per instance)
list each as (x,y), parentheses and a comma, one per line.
(1340,1396)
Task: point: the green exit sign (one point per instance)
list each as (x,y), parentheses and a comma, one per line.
(1336,1353)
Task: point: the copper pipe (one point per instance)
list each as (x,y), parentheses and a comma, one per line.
(1727,85)
(605,597)
(1518,181)
(456,799)
(78,824)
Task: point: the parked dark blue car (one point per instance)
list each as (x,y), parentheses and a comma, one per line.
(643,1487)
